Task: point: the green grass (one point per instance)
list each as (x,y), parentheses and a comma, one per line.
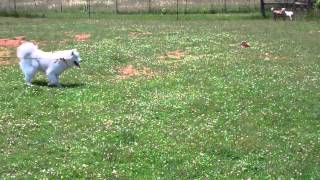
(219,112)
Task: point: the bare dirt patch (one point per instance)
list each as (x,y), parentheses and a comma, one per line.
(269,56)
(177,54)
(137,34)
(82,37)
(7,62)
(4,52)
(69,33)
(15,42)
(6,56)
(130,71)
(46,43)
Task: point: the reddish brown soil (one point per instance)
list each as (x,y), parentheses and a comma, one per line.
(178,54)
(15,42)
(5,56)
(137,34)
(82,37)
(130,71)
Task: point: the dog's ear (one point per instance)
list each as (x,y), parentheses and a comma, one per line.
(74,52)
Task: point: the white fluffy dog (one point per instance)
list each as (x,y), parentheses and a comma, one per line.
(53,64)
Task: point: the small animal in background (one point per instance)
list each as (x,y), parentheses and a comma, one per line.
(52,64)
(289,14)
(244,44)
(281,13)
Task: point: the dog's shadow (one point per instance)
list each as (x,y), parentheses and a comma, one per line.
(66,85)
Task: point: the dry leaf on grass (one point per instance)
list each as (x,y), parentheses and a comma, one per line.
(244,44)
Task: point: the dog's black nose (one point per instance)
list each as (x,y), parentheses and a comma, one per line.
(76,64)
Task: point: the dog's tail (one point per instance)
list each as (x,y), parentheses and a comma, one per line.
(26,49)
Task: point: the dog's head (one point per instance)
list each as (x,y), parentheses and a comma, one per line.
(75,57)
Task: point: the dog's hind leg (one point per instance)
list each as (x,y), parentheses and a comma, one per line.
(54,80)
(29,74)
(29,69)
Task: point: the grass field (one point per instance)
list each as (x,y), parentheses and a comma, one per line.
(194,105)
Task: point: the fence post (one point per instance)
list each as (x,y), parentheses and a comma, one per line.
(149,6)
(89,8)
(61,1)
(35,4)
(225,6)
(177,9)
(211,7)
(117,10)
(262,8)
(15,6)
(185,6)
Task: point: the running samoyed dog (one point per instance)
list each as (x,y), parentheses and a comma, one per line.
(53,64)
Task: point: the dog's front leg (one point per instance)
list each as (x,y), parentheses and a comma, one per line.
(54,80)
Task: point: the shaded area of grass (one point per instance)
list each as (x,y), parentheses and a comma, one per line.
(16,14)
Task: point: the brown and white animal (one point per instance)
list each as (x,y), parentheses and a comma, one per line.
(281,13)
(278,13)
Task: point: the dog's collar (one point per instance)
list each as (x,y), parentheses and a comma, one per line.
(59,60)
(65,61)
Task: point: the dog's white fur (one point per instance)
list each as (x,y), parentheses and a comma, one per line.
(53,64)
(289,14)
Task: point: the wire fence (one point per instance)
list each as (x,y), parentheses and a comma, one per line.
(131,6)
